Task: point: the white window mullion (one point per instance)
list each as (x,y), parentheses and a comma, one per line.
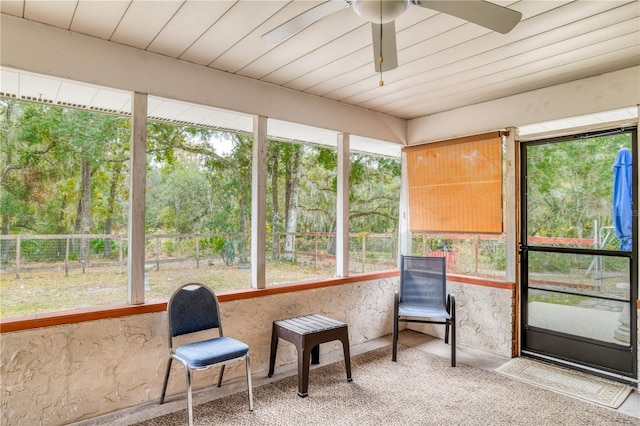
(259,203)
(342,207)
(137,188)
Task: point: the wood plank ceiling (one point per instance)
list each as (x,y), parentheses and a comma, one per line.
(444,62)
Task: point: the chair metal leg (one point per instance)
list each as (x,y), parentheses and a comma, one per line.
(394,355)
(166,381)
(220,376)
(453,342)
(447,322)
(453,331)
(189,398)
(395,328)
(249,388)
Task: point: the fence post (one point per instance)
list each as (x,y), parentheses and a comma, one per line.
(18,257)
(66,257)
(315,251)
(424,244)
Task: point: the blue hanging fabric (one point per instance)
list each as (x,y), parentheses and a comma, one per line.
(622,199)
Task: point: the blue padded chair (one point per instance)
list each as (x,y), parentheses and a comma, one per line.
(192,308)
(423,299)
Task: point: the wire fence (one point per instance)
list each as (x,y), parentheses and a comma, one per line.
(49,273)
(368,252)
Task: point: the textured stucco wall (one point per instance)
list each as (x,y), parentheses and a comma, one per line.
(57,375)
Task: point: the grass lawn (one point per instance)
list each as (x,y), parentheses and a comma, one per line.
(41,290)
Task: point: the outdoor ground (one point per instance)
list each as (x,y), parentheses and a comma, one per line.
(47,289)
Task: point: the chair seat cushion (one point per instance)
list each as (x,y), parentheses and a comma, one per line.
(407,310)
(212,351)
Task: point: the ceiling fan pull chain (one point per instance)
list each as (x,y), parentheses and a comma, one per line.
(381,83)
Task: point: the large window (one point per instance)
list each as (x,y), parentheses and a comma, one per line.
(302,186)
(65,200)
(198,208)
(373,212)
(456,203)
(301,209)
(479,255)
(63,208)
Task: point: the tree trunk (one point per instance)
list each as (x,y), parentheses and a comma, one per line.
(4,248)
(108,226)
(293,186)
(77,228)
(85,210)
(331,242)
(275,217)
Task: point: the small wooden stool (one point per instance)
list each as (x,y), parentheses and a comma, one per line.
(307,333)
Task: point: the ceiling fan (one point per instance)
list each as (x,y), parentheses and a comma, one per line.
(382,15)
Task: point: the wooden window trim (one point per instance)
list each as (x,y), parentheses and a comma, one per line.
(8,325)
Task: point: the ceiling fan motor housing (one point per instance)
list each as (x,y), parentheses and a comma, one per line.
(380,11)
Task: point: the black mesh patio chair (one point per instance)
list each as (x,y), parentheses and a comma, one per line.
(422,298)
(193,308)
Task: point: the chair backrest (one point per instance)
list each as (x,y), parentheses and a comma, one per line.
(423,281)
(193,307)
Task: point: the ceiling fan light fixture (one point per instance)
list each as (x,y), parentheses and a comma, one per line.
(380,11)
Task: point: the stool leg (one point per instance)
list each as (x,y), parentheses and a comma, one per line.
(274,349)
(347,355)
(315,354)
(303,371)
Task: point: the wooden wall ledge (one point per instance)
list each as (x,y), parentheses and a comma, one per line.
(8,325)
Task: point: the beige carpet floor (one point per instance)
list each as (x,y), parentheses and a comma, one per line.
(420,389)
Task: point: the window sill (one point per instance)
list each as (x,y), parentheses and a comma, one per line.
(8,325)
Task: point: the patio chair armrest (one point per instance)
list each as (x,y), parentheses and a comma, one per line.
(451,305)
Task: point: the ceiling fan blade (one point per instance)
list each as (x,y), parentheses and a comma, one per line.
(384,46)
(483,13)
(302,21)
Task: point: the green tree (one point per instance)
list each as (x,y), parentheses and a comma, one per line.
(570,185)
(179,199)
(64,169)
(374,195)
(230,183)
(274,152)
